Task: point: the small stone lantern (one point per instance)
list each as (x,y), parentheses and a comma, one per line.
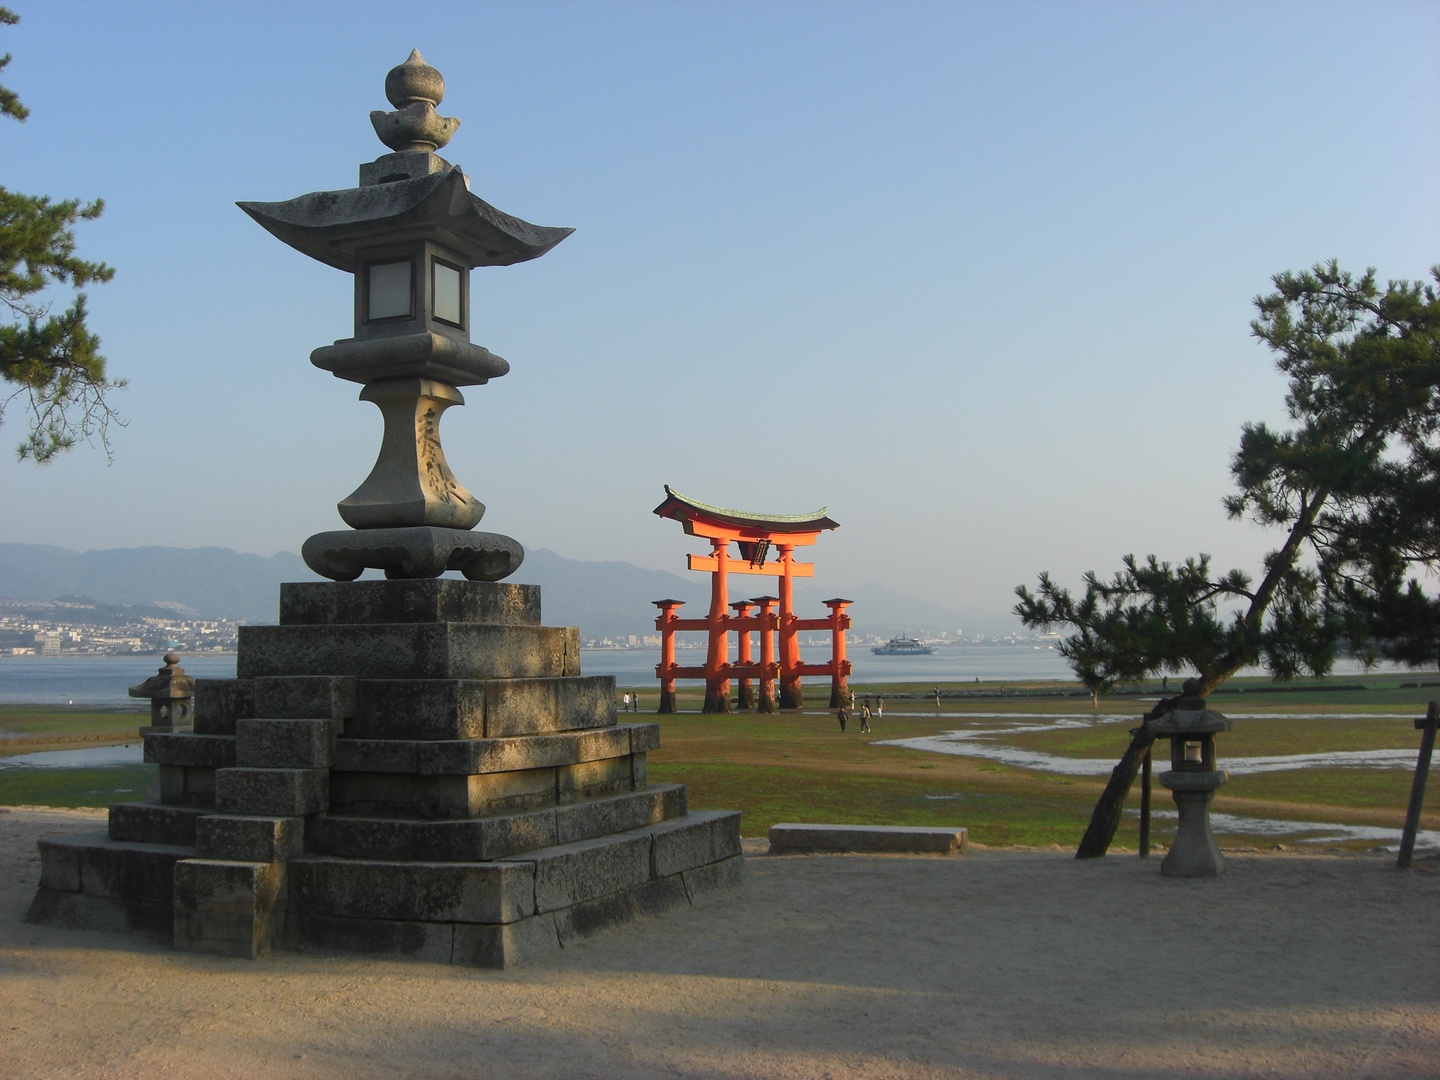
(1192,779)
(172,698)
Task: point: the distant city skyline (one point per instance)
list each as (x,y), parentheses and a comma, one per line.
(977,277)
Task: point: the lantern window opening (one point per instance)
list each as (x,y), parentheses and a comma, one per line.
(390,290)
(447,290)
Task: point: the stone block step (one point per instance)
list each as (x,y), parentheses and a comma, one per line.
(570,874)
(790,838)
(448,892)
(89,881)
(484,839)
(475,708)
(228,908)
(305,697)
(445,650)
(189,749)
(249,838)
(220,702)
(486,945)
(272,792)
(419,601)
(284,744)
(471,756)
(155,823)
(450,795)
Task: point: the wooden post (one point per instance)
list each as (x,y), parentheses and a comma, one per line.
(1417,788)
(664,671)
(744,609)
(839,666)
(768,623)
(1145,805)
(792,696)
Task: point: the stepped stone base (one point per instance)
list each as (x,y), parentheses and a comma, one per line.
(405,768)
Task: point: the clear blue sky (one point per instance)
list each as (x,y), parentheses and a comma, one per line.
(975,276)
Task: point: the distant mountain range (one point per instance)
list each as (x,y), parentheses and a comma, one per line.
(604,599)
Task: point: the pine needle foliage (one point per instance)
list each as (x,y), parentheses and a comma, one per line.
(52,361)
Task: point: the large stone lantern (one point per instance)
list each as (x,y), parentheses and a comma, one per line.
(1192,779)
(410,234)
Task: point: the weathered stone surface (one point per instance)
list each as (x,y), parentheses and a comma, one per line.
(155,823)
(590,818)
(716,879)
(589,779)
(471,756)
(277,792)
(220,702)
(786,837)
(184,748)
(569,874)
(399,651)
(408,552)
(306,697)
(432,600)
(638,776)
(506,946)
(701,837)
(492,892)
(602,913)
(98,866)
(228,908)
(376,755)
(472,709)
(487,838)
(429,942)
(249,839)
(187,785)
(284,744)
(643,737)
(445,796)
(78,911)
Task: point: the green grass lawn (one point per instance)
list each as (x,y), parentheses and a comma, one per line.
(39,722)
(77,787)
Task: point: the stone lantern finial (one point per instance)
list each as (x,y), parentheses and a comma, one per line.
(414,88)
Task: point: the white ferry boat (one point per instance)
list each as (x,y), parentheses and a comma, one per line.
(902,646)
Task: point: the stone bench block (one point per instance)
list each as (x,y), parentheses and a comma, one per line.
(278,792)
(716,879)
(435,600)
(284,744)
(495,892)
(184,748)
(249,839)
(306,697)
(786,837)
(698,839)
(592,916)
(187,785)
(155,823)
(220,702)
(434,709)
(410,650)
(228,908)
(570,874)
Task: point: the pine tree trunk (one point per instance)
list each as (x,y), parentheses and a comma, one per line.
(1106,817)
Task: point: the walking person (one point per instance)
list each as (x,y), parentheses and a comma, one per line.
(937,697)
(864,718)
(879,708)
(841,717)
(625,703)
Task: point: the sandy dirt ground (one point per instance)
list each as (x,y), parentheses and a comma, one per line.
(999,964)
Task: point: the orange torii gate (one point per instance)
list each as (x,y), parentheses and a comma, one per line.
(754,534)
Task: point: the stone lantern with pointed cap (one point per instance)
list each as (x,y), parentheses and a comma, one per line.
(410,234)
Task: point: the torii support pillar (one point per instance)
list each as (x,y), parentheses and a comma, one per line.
(665,670)
(768,622)
(792,695)
(745,702)
(717,657)
(840,667)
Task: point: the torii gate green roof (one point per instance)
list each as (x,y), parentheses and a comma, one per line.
(683,508)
